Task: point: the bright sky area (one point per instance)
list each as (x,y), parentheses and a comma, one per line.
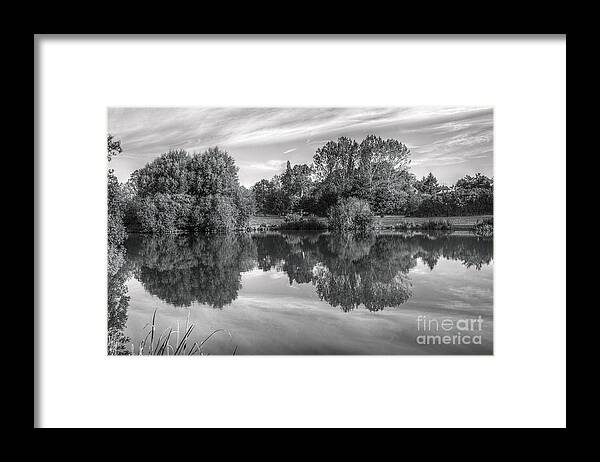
(450,142)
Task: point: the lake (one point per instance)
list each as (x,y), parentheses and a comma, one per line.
(307,293)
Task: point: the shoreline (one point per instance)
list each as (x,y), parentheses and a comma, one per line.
(266,223)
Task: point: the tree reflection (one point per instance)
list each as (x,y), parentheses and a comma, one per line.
(118,300)
(346,270)
(349,270)
(182,269)
(363,270)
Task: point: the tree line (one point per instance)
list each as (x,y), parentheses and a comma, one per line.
(347,181)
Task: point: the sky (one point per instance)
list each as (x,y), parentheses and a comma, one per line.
(448,141)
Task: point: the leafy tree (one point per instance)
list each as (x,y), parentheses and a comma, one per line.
(167,174)
(263,191)
(165,213)
(113,146)
(335,163)
(214,173)
(428,185)
(245,204)
(478,181)
(115,198)
(177,192)
(381,163)
(215,212)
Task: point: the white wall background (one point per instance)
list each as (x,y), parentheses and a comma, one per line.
(523,384)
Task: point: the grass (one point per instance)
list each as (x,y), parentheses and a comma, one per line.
(385,222)
(163,346)
(389,221)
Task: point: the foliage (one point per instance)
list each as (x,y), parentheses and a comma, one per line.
(292,217)
(428,185)
(348,181)
(298,222)
(177,192)
(478,181)
(351,214)
(484,228)
(215,212)
(285,193)
(113,146)
(469,196)
(375,170)
(429,225)
(165,213)
(115,198)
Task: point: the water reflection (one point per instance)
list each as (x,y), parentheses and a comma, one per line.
(118,300)
(346,271)
(184,269)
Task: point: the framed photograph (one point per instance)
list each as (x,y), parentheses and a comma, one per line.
(300,231)
(249,219)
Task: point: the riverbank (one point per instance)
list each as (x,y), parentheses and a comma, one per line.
(386,222)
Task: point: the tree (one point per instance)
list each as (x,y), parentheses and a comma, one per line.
(263,191)
(115,198)
(113,146)
(479,181)
(167,174)
(428,185)
(177,192)
(380,161)
(214,172)
(335,163)
(246,206)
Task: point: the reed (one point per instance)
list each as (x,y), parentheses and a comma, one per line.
(181,346)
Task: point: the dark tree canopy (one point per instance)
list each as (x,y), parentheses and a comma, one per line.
(178,192)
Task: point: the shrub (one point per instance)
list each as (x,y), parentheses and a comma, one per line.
(429,225)
(296,222)
(436,225)
(484,228)
(351,214)
(292,217)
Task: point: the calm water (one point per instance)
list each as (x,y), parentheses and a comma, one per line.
(310,293)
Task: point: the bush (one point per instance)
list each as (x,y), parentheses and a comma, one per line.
(436,225)
(292,217)
(351,214)
(429,225)
(458,202)
(296,222)
(484,228)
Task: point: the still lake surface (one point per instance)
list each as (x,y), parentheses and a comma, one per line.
(289,293)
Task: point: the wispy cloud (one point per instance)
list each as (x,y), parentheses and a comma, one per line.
(445,140)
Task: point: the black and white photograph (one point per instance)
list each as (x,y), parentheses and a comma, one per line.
(300,231)
(254,231)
